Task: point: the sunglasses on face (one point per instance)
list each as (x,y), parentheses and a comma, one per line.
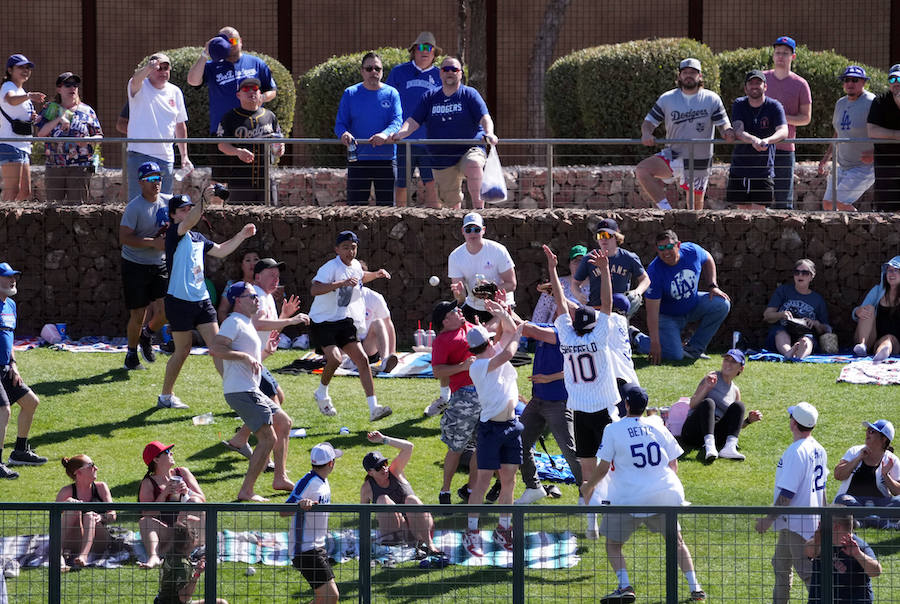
(472,229)
(250,88)
(851,80)
(251,296)
(89,466)
(666,247)
(803,272)
(234,41)
(69,85)
(452,68)
(604,235)
(425,47)
(152,179)
(164,67)
(371,68)
(894,79)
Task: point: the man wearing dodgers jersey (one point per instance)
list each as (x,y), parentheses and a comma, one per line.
(799,482)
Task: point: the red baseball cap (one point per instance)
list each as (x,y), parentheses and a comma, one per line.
(152,451)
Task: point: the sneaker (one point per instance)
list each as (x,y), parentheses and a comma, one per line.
(592,531)
(503,537)
(436,407)
(25,458)
(494,493)
(325,405)
(7,473)
(729,451)
(379,412)
(471,540)
(553,491)
(389,363)
(169,401)
(698,596)
(146,345)
(695,354)
(531,495)
(463,493)
(132,362)
(444,498)
(710,453)
(622,595)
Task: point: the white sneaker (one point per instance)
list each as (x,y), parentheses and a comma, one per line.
(531,495)
(325,405)
(436,407)
(170,402)
(729,451)
(710,452)
(593,531)
(379,412)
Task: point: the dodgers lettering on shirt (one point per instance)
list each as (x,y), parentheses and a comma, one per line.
(676,286)
(689,116)
(223,78)
(455,116)
(412,82)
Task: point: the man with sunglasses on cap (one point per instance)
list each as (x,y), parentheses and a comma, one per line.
(454,111)
(245,168)
(884,123)
(412,80)
(144,273)
(187,301)
(792,91)
(674,299)
(156,110)
(689,112)
(855,173)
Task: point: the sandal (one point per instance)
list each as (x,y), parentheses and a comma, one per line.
(246,451)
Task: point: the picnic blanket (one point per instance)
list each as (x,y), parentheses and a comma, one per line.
(90,344)
(411,364)
(774,357)
(886,373)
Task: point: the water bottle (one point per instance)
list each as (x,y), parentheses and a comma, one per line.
(184,496)
(429,336)
(203,420)
(351,151)
(186,168)
(344,431)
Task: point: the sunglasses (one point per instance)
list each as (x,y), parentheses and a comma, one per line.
(89,466)
(371,68)
(152,179)
(234,41)
(452,68)
(166,452)
(851,80)
(472,229)
(425,47)
(164,67)
(666,247)
(69,85)
(249,88)
(894,79)
(805,273)
(251,296)
(604,235)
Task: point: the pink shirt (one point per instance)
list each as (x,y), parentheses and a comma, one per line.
(451,348)
(791,92)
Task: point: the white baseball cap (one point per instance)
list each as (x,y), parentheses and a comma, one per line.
(804,414)
(323,453)
(473,218)
(883,426)
(477,335)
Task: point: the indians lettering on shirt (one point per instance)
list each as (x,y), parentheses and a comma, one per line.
(226,77)
(683,284)
(446,110)
(679,117)
(615,269)
(578,348)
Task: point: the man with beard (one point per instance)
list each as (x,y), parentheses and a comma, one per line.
(760,123)
(884,122)
(689,111)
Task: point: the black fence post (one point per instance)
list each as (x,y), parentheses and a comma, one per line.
(671,557)
(54,590)
(518,563)
(212,555)
(365,556)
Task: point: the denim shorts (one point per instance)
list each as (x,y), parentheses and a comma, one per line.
(12,155)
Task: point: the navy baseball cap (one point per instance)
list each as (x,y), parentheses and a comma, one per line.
(18,59)
(373,460)
(755,73)
(346,236)
(7,271)
(267,263)
(179,201)
(737,355)
(250,82)
(585,319)
(440,312)
(236,290)
(621,303)
(219,48)
(785,41)
(608,225)
(636,397)
(854,71)
(148,168)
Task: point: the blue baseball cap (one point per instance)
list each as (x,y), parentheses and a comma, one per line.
(346,236)
(148,168)
(785,41)
(854,71)
(219,48)
(7,271)
(621,303)
(883,426)
(737,355)
(18,59)
(236,290)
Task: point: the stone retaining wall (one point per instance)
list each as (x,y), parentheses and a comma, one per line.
(70,255)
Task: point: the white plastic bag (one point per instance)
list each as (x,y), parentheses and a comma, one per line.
(493,184)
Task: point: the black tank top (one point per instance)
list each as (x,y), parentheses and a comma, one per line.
(398,490)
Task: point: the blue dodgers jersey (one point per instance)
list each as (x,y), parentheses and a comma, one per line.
(455,116)
(223,78)
(7,327)
(548,359)
(412,83)
(676,286)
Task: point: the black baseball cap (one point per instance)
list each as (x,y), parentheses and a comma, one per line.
(179,201)
(372,460)
(755,73)
(440,312)
(265,263)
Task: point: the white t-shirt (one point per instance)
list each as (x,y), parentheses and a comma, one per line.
(17,112)
(620,350)
(153,113)
(590,382)
(851,454)
(376,308)
(802,470)
(641,450)
(490,261)
(497,390)
(313,529)
(267,311)
(237,375)
(343,302)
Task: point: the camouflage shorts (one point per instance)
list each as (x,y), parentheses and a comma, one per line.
(460,419)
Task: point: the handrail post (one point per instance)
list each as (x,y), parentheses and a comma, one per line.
(407,169)
(365,553)
(672,552)
(518,562)
(212,555)
(834,176)
(550,175)
(54,589)
(267,174)
(690,182)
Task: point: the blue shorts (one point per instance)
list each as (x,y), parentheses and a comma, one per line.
(499,443)
(12,155)
(268,384)
(420,158)
(185,316)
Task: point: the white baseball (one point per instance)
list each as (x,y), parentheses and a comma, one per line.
(433,281)
(251,571)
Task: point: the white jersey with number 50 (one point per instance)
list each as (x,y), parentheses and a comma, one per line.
(590,383)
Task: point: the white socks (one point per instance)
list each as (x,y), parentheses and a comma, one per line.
(322,391)
(445,393)
(372,401)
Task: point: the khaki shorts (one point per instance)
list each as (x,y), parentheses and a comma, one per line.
(449,180)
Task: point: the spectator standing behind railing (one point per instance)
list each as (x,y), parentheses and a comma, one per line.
(884,123)
(412,80)
(853,562)
(18,115)
(855,173)
(69,164)
(792,92)
(759,122)
(156,110)
(688,111)
(369,114)
(454,111)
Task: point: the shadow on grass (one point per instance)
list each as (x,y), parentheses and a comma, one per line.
(57,388)
(107,429)
(888,547)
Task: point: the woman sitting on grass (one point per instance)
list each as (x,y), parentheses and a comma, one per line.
(878,317)
(84,532)
(798,313)
(870,473)
(164,482)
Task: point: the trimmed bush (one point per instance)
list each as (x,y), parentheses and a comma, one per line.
(560,90)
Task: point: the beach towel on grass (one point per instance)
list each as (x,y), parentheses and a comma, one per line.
(886,373)
(411,364)
(774,357)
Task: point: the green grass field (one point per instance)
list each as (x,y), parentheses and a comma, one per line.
(90,405)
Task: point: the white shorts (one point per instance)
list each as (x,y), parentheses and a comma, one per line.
(680,175)
(852,183)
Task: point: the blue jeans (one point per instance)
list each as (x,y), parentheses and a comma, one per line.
(867,520)
(784,180)
(135,159)
(710,312)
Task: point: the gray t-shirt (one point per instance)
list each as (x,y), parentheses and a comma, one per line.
(690,116)
(145,219)
(849,121)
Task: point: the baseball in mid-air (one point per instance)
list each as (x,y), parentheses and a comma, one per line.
(433,281)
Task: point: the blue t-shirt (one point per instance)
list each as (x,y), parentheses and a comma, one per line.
(802,306)
(761,122)
(676,286)
(850,583)
(7,326)
(623,266)
(184,259)
(548,359)
(455,116)
(365,112)
(411,82)
(223,77)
